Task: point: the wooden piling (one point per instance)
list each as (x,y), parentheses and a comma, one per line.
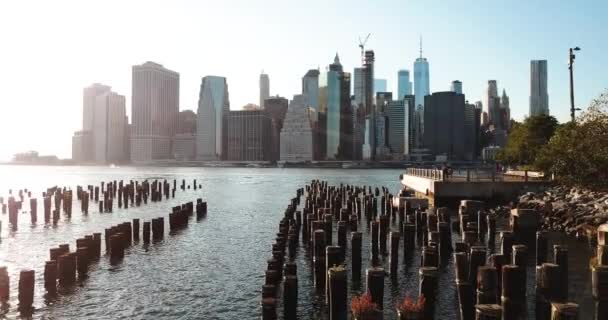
(488,312)
(355,240)
(26,289)
(146,232)
(337,293)
(375,242)
(564,311)
(487,285)
(560,258)
(394,254)
(50,276)
(599,289)
(541,247)
(375,285)
(513,299)
(520,255)
(428,288)
(290,296)
(4,284)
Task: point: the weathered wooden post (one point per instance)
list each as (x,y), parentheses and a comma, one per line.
(428,288)
(560,258)
(513,292)
(599,288)
(477,258)
(375,285)
(67,269)
(136,229)
(33,210)
(564,311)
(520,255)
(50,276)
(333,258)
(375,242)
(394,254)
(4,284)
(26,289)
(319,258)
(506,243)
(337,293)
(82,261)
(487,285)
(117,249)
(541,247)
(290,296)
(269,309)
(146,232)
(356,241)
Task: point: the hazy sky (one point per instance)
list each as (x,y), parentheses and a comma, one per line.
(50,50)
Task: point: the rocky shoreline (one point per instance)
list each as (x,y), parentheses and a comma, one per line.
(575,211)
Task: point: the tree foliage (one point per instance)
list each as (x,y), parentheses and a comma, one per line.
(526,139)
(578,152)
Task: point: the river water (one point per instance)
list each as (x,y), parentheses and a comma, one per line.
(214,269)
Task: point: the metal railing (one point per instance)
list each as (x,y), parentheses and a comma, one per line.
(475,175)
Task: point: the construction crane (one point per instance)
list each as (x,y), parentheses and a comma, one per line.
(362,46)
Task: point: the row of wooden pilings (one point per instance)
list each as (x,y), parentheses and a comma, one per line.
(494,287)
(599,274)
(134,192)
(347,205)
(65,267)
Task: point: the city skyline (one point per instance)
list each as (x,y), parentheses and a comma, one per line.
(503,55)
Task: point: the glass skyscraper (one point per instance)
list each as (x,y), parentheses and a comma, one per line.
(213,104)
(404,86)
(329,109)
(421,80)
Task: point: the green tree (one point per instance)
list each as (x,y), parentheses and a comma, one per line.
(578,152)
(526,139)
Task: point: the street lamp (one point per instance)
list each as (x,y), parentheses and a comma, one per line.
(571,68)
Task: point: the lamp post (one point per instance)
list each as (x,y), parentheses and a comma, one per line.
(571,68)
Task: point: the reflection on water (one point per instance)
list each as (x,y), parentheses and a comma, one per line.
(214,269)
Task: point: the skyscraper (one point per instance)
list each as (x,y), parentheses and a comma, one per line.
(368,93)
(505,111)
(379,85)
(539,98)
(444,118)
(421,79)
(404,86)
(154,110)
(264,88)
(248,135)
(184,140)
(492,103)
(109,128)
(310,88)
(276,107)
(332,99)
(213,104)
(456,86)
(296,135)
(89,99)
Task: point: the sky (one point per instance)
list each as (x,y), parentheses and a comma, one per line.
(51,50)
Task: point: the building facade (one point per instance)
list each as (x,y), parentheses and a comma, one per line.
(444,118)
(310,88)
(297,134)
(400,119)
(404,86)
(421,80)
(276,107)
(380,85)
(248,135)
(264,89)
(539,98)
(109,128)
(213,104)
(456,86)
(154,111)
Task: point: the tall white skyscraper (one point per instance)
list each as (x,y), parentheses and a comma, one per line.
(213,104)
(310,88)
(154,111)
(109,128)
(264,88)
(539,98)
(404,86)
(89,99)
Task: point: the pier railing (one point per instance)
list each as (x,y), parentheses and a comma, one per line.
(476,175)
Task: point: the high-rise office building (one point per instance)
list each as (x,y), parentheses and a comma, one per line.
(184,140)
(213,104)
(297,134)
(382,100)
(370,108)
(400,118)
(335,113)
(471,128)
(310,88)
(264,88)
(421,80)
(404,86)
(539,98)
(505,111)
(379,85)
(444,118)
(154,111)
(82,146)
(248,135)
(456,86)
(109,128)
(492,103)
(89,99)
(276,107)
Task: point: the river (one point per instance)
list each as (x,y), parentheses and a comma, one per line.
(214,269)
